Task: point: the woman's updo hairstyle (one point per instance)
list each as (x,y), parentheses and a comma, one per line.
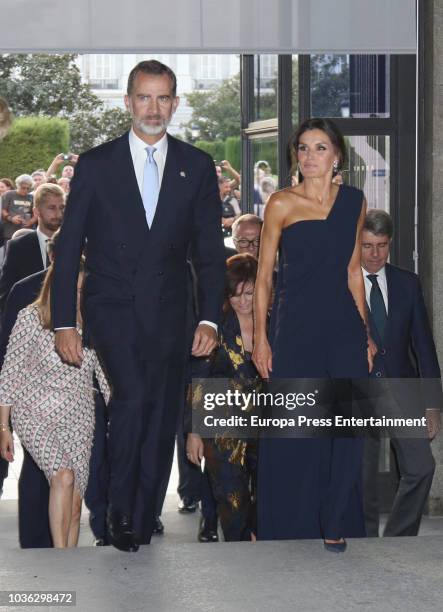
(328,127)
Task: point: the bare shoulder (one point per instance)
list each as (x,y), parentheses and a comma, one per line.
(280,204)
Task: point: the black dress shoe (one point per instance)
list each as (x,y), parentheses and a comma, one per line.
(187,505)
(158,526)
(101,542)
(207,531)
(121,534)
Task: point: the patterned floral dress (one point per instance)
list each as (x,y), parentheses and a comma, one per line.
(52,403)
(230,463)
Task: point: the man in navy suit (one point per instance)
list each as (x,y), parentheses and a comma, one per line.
(141,202)
(399,325)
(27,254)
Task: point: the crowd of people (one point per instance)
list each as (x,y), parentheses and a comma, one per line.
(111,307)
(229,183)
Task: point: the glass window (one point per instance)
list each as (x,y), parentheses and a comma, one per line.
(208,67)
(349,86)
(368,168)
(265,86)
(103,71)
(264,156)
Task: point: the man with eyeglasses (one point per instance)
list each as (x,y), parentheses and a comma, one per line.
(246,232)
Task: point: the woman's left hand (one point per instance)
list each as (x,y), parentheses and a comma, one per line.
(372,351)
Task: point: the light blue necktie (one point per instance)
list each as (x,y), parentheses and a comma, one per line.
(150,185)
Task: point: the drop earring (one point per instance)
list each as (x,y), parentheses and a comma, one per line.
(335,166)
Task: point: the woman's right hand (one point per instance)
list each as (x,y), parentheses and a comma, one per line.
(194,448)
(7,445)
(262,357)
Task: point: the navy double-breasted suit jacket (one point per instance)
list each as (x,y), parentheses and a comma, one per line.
(408,349)
(129,263)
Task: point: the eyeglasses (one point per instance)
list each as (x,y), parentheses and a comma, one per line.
(244,243)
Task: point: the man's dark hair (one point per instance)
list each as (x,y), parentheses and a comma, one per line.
(379,223)
(152,67)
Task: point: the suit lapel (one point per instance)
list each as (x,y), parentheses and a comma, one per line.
(130,193)
(36,253)
(125,182)
(393,297)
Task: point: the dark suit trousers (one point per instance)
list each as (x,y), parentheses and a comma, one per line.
(416,465)
(143,415)
(96,494)
(4,468)
(33,502)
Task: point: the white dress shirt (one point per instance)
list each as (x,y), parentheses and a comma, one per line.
(382,283)
(137,147)
(43,243)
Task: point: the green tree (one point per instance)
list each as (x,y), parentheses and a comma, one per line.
(329,84)
(51,86)
(89,129)
(215,113)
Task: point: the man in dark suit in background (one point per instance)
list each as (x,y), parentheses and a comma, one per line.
(33,488)
(399,325)
(27,254)
(140,201)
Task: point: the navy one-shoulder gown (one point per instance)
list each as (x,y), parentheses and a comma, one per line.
(310,488)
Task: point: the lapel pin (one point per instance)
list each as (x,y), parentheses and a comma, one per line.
(183,174)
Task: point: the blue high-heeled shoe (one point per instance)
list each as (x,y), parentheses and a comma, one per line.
(336,547)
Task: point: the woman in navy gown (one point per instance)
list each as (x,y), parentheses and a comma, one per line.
(310,488)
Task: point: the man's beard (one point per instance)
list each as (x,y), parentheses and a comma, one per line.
(53,227)
(151,129)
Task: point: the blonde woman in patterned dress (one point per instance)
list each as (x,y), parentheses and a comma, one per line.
(51,405)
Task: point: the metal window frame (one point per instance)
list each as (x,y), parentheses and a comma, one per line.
(399,127)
